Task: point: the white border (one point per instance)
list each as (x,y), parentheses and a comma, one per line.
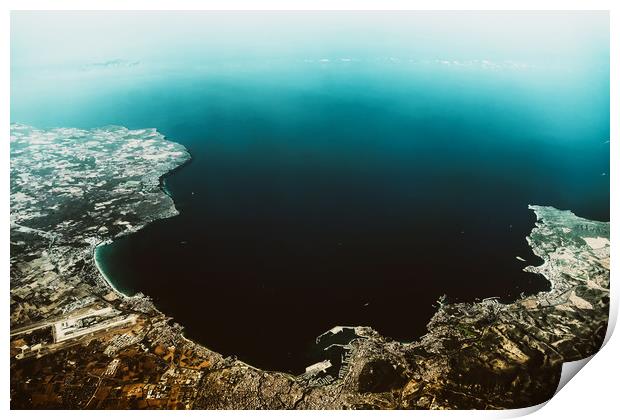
(592,393)
(308,5)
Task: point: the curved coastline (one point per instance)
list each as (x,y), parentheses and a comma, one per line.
(476,355)
(162,178)
(162,186)
(102,272)
(359,329)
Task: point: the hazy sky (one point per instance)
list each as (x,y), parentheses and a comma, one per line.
(42,39)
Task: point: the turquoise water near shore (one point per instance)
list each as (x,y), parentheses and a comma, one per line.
(342,181)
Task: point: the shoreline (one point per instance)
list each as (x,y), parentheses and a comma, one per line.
(162,178)
(480,355)
(108,281)
(359,329)
(533,269)
(415,339)
(163,188)
(102,273)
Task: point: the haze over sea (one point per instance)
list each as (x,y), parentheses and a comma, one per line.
(348,168)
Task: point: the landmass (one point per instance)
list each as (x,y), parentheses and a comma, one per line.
(75,342)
